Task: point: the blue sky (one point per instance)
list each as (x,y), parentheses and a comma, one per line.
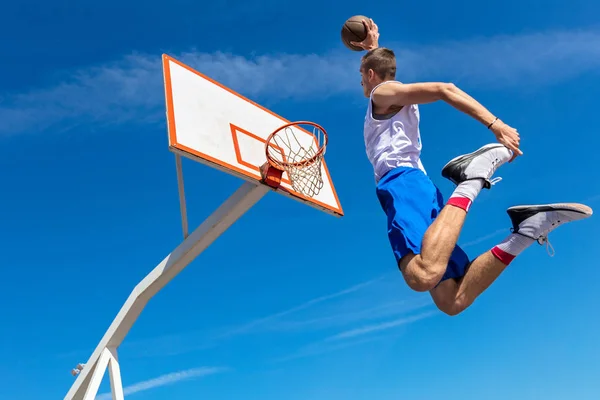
(90,204)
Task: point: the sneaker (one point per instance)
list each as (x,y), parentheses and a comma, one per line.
(481,164)
(537,221)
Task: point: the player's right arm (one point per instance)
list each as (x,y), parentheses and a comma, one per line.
(396,94)
(371,41)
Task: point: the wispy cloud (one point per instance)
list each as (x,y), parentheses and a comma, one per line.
(363,313)
(321,347)
(327,311)
(484,238)
(336,318)
(369,302)
(355,337)
(130,89)
(166,379)
(380,326)
(348,318)
(506,61)
(258,323)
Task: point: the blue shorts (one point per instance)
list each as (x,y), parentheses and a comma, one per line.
(412,202)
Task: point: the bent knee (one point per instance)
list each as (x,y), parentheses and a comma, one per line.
(452,306)
(450,309)
(421,277)
(420,283)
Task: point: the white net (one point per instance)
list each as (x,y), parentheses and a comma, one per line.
(298,150)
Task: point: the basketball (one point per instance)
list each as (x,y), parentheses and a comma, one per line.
(354,31)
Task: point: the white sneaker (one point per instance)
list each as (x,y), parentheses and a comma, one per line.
(537,221)
(480,164)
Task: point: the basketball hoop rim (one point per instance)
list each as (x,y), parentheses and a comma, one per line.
(282,165)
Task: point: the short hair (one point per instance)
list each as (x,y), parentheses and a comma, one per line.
(382,61)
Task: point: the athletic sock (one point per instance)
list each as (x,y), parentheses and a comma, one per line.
(465,193)
(511,247)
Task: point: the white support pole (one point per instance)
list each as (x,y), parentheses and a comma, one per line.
(116,386)
(97,375)
(219,221)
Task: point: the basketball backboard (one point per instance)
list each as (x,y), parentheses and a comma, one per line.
(212,124)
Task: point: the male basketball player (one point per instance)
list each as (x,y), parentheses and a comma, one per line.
(422,229)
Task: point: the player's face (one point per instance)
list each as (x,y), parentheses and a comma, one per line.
(367,81)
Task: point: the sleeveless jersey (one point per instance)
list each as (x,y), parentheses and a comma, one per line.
(392,140)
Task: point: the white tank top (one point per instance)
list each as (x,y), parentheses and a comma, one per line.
(393,140)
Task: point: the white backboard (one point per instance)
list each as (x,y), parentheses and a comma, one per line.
(214,125)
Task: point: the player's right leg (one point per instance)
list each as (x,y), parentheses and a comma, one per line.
(411,202)
(471,172)
(530,224)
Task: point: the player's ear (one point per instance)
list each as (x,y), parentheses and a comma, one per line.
(371,74)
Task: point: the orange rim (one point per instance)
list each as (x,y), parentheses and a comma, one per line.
(283,164)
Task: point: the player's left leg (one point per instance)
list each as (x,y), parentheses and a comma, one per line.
(453,295)
(471,173)
(530,224)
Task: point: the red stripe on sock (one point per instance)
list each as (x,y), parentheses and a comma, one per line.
(503,256)
(460,202)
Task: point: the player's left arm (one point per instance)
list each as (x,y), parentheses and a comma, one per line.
(396,94)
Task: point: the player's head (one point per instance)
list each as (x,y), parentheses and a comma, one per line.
(378,65)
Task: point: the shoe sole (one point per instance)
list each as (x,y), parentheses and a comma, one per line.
(536,208)
(463,159)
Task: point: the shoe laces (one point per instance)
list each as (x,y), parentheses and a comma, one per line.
(495,180)
(549,248)
(543,238)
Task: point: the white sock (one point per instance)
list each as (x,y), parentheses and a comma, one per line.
(514,244)
(468,189)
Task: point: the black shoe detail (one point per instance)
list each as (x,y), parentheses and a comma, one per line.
(454,169)
(519,214)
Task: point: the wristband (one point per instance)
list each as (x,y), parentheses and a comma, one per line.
(490,125)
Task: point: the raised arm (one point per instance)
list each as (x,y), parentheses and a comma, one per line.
(395,94)
(372,39)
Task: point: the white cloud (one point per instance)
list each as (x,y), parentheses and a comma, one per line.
(372,300)
(193,341)
(266,322)
(321,347)
(164,380)
(485,238)
(381,326)
(339,316)
(369,301)
(506,61)
(356,336)
(130,89)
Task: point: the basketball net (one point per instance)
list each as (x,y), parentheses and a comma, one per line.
(297,149)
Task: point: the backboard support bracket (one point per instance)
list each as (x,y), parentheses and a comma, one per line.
(88,380)
(181,189)
(271,176)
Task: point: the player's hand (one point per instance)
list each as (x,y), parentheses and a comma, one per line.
(372,40)
(508,136)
